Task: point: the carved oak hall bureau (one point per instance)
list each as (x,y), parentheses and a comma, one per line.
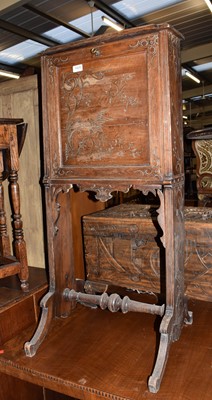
(112,121)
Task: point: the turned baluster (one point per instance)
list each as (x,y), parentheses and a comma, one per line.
(4,238)
(19,245)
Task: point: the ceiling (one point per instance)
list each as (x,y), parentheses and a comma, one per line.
(29,27)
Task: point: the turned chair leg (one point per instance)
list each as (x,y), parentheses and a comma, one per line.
(19,244)
(4,237)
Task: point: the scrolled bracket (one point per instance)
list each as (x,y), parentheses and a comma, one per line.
(104,193)
(56,190)
(161,216)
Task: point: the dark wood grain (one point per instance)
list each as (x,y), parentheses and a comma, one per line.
(15,389)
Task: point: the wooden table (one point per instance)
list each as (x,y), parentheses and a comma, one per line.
(93,355)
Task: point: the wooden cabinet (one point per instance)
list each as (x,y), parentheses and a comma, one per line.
(112,121)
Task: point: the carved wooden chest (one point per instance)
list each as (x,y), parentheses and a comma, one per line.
(122,247)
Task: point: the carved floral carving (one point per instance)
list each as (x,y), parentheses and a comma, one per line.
(104,193)
(203,149)
(52,62)
(85,137)
(149,42)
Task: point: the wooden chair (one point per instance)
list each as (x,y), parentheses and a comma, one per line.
(12,136)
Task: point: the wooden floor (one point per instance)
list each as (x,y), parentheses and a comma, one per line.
(95,354)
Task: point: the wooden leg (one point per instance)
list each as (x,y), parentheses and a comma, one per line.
(4,237)
(162,357)
(172,223)
(61,271)
(47,305)
(19,244)
(164,346)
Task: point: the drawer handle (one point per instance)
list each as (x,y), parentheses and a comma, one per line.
(96,52)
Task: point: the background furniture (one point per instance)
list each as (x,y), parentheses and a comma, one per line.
(21,97)
(202,146)
(113,121)
(12,136)
(127,237)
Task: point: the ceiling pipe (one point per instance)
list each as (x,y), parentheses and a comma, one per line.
(57,20)
(17,30)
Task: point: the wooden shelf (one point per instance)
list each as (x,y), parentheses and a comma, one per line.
(95,354)
(9,266)
(11,293)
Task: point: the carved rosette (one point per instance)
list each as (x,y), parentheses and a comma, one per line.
(149,42)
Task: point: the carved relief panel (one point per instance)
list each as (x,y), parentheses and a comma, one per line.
(123,246)
(107,100)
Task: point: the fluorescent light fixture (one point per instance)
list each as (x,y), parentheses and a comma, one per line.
(209,4)
(112,24)
(84,22)
(8,74)
(190,75)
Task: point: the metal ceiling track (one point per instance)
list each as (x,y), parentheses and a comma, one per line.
(55,20)
(17,30)
(100,5)
(11,68)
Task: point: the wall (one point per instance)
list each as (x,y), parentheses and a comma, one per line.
(19,99)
